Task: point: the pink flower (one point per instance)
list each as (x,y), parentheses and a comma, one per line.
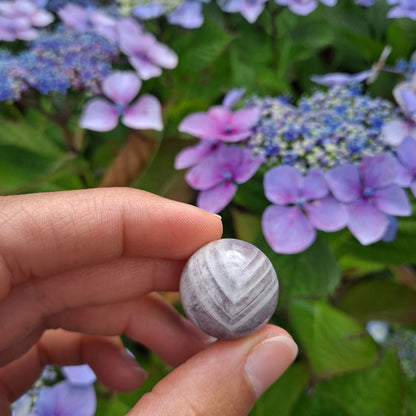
(144,52)
(121,87)
(220,123)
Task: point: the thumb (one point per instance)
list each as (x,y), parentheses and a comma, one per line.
(224,379)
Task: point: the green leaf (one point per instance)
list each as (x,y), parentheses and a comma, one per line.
(400,251)
(410,397)
(380,299)
(112,407)
(314,272)
(282,396)
(30,138)
(376,391)
(333,342)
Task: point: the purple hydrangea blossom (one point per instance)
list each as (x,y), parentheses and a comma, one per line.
(396,130)
(144,52)
(365,3)
(304,7)
(249,9)
(20,18)
(406,155)
(218,174)
(402,9)
(121,87)
(65,399)
(220,123)
(192,155)
(233,97)
(87,19)
(187,15)
(302,204)
(148,11)
(371,194)
(79,375)
(341,78)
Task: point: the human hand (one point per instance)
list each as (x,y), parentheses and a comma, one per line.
(86,262)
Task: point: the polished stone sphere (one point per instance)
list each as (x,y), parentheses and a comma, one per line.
(229,288)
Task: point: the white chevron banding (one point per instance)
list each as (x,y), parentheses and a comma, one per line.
(230,283)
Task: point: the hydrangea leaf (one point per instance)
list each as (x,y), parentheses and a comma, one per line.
(280,399)
(380,299)
(334,342)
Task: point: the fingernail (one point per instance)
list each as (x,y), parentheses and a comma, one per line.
(216,215)
(129,359)
(268,361)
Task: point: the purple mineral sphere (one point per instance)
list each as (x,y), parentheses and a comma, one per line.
(229,289)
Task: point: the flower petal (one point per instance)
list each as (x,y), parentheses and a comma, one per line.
(281,184)
(188,15)
(144,67)
(233,97)
(314,185)
(404,176)
(192,155)
(286,229)
(407,153)
(391,231)
(244,119)
(99,115)
(248,166)
(366,222)
(199,125)
(162,55)
(327,214)
(378,171)
(394,131)
(344,182)
(121,86)
(217,198)
(340,78)
(405,95)
(145,113)
(80,375)
(392,200)
(66,400)
(206,174)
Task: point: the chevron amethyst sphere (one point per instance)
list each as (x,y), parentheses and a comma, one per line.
(229,288)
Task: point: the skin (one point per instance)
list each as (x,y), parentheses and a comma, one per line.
(77,269)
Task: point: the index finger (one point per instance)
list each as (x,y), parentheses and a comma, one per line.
(44,234)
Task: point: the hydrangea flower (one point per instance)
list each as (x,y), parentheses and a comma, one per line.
(249,9)
(341,78)
(406,155)
(89,19)
(371,194)
(327,129)
(302,204)
(403,8)
(396,130)
(121,87)
(20,18)
(187,15)
(79,375)
(149,11)
(378,330)
(12,83)
(66,399)
(365,3)
(220,123)
(217,175)
(304,7)
(144,52)
(59,60)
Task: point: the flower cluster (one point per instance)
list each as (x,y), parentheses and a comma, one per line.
(75,395)
(19,19)
(11,77)
(402,8)
(324,130)
(334,169)
(121,87)
(66,58)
